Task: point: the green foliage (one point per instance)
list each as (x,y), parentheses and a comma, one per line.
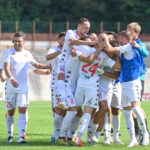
(95,10)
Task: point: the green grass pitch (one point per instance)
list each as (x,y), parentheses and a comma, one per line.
(40,127)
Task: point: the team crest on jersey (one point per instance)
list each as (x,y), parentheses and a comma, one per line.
(26,55)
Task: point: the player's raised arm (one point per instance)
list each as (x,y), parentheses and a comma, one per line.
(109,48)
(92,56)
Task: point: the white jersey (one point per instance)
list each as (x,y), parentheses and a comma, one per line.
(66,49)
(2,66)
(87,72)
(72,68)
(54,64)
(19,64)
(127,51)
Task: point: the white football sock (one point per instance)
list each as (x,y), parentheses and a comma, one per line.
(10,124)
(109,129)
(116,126)
(98,134)
(27,117)
(57,125)
(74,127)
(129,123)
(22,124)
(140,117)
(67,122)
(90,126)
(84,124)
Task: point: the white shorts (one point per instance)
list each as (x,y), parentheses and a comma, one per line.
(105,89)
(70,98)
(16,99)
(131,94)
(116,96)
(86,96)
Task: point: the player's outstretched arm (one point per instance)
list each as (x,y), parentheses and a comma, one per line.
(52,55)
(42,72)
(41,66)
(112,75)
(109,48)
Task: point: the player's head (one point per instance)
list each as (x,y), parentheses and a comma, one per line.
(93,37)
(112,35)
(61,39)
(19,40)
(124,37)
(85,38)
(83,26)
(135,29)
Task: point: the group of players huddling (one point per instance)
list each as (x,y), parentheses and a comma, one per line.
(91,77)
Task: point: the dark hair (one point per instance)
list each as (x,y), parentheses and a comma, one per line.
(114,43)
(82,20)
(61,34)
(84,37)
(111,33)
(19,34)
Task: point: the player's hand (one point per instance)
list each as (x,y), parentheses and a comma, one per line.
(3,78)
(14,83)
(103,36)
(135,44)
(73,53)
(47,72)
(93,43)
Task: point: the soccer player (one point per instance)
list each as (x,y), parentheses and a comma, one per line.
(135,29)
(69,74)
(105,93)
(106,82)
(53,55)
(16,64)
(131,85)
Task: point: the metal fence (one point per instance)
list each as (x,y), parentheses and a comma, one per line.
(56,27)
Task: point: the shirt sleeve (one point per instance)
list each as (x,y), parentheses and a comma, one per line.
(6,56)
(70,34)
(124,49)
(108,61)
(32,68)
(143,51)
(2,66)
(31,59)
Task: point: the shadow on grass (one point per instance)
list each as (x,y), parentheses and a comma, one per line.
(37,143)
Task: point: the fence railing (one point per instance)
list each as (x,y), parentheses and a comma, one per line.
(56,27)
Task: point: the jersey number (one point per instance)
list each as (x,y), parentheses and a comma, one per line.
(92,69)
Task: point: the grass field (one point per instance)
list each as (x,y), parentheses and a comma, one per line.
(40,129)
